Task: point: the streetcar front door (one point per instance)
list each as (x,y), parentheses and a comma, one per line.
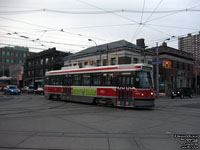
(124,93)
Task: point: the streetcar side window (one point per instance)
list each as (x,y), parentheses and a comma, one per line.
(86,79)
(46,80)
(51,80)
(96,79)
(77,79)
(68,80)
(108,79)
(55,80)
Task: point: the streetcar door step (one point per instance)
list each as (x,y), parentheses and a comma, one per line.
(124,97)
(67,91)
(124,94)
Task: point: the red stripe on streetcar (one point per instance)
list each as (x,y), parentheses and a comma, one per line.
(96,69)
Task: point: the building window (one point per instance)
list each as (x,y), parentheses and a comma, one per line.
(150,62)
(177,65)
(142,60)
(135,60)
(113,61)
(29,73)
(104,62)
(98,63)
(188,67)
(172,64)
(41,61)
(183,66)
(85,63)
(8,53)
(46,60)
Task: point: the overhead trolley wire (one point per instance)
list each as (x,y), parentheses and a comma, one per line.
(142,24)
(17,12)
(104,10)
(60,30)
(139,25)
(171,13)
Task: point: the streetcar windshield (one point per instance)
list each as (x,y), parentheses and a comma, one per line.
(143,80)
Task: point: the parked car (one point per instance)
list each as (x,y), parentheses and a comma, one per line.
(12,89)
(28,89)
(39,90)
(182,92)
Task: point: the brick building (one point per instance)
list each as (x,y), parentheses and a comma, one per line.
(179,74)
(36,65)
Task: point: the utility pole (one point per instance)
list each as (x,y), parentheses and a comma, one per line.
(195,67)
(107,53)
(157,71)
(3,70)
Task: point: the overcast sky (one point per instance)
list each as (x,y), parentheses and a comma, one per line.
(68,24)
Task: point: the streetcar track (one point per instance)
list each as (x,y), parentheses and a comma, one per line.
(13,98)
(86,135)
(31,148)
(25,107)
(30,111)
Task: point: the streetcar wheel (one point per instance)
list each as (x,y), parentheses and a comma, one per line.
(48,96)
(96,101)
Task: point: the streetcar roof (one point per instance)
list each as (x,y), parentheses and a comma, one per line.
(115,68)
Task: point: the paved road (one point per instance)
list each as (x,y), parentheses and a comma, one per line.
(31,122)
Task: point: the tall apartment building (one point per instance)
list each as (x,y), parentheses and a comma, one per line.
(11,56)
(190,44)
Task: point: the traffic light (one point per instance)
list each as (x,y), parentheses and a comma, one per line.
(167,64)
(91,63)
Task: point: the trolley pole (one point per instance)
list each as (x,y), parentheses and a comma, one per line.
(157,71)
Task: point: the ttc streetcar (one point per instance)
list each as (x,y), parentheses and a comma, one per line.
(119,85)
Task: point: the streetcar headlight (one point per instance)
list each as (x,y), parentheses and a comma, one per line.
(152,93)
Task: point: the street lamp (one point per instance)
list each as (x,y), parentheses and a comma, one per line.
(157,68)
(96,48)
(93,41)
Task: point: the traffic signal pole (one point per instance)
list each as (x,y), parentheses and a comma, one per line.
(157,71)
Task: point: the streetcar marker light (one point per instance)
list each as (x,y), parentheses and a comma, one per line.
(137,67)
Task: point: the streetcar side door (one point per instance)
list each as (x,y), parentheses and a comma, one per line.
(124,93)
(67,86)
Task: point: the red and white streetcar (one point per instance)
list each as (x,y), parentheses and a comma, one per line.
(120,85)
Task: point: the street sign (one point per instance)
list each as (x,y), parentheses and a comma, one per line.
(157,62)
